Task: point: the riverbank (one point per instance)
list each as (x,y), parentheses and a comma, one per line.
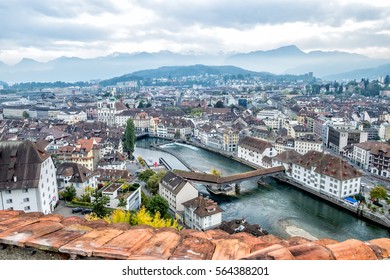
(306,214)
(222,153)
(358,211)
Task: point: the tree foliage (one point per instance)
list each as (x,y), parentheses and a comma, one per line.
(25,115)
(99,203)
(142,217)
(157,204)
(219,104)
(387,80)
(122,202)
(69,193)
(215,171)
(379,192)
(145,175)
(153,182)
(130,137)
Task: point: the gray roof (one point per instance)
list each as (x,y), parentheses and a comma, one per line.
(20,164)
(173,182)
(79,173)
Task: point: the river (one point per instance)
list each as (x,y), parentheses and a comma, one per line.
(279,208)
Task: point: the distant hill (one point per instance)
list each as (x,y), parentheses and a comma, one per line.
(185,71)
(291,60)
(196,70)
(370,73)
(283,60)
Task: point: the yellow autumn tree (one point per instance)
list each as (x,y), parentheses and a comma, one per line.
(142,217)
(118,216)
(215,171)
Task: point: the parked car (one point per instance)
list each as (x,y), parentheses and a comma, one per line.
(77,210)
(86,211)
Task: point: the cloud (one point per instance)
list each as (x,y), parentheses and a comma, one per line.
(70,27)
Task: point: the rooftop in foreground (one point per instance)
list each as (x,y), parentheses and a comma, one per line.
(75,237)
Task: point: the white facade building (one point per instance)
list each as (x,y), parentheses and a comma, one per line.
(27,178)
(308,143)
(176,191)
(327,174)
(202,213)
(254,150)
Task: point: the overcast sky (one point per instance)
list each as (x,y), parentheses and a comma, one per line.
(46,29)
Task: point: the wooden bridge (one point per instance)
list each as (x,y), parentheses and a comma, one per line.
(216,183)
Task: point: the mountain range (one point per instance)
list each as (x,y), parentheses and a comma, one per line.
(283,60)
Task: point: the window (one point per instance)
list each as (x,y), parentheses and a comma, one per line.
(26,199)
(8,191)
(25,191)
(9,201)
(27,208)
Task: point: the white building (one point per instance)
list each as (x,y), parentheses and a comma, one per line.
(115,193)
(202,213)
(71,173)
(254,150)
(72,117)
(309,142)
(326,174)
(113,161)
(27,178)
(176,190)
(108,109)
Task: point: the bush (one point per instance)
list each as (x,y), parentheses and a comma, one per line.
(377,204)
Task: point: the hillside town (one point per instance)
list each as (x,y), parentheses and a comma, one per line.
(331,138)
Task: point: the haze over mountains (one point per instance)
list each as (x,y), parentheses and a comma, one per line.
(283,60)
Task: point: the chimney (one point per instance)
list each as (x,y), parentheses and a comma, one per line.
(15,179)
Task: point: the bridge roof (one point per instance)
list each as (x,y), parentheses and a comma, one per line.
(210,178)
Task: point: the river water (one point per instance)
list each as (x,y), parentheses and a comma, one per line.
(279,208)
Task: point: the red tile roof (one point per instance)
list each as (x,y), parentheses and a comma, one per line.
(76,237)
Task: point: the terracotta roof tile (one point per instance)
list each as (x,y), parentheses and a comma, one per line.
(87,243)
(352,249)
(19,235)
(194,248)
(311,251)
(75,237)
(273,252)
(160,246)
(53,241)
(230,249)
(383,244)
(120,246)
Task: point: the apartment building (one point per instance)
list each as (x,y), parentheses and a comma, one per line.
(27,178)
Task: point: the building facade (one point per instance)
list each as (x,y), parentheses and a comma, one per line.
(254,150)
(326,174)
(27,178)
(202,213)
(176,190)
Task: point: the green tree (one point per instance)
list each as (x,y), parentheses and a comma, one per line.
(219,104)
(154,180)
(122,202)
(69,193)
(99,202)
(25,115)
(379,192)
(145,175)
(130,137)
(141,104)
(387,80)
(157,204)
